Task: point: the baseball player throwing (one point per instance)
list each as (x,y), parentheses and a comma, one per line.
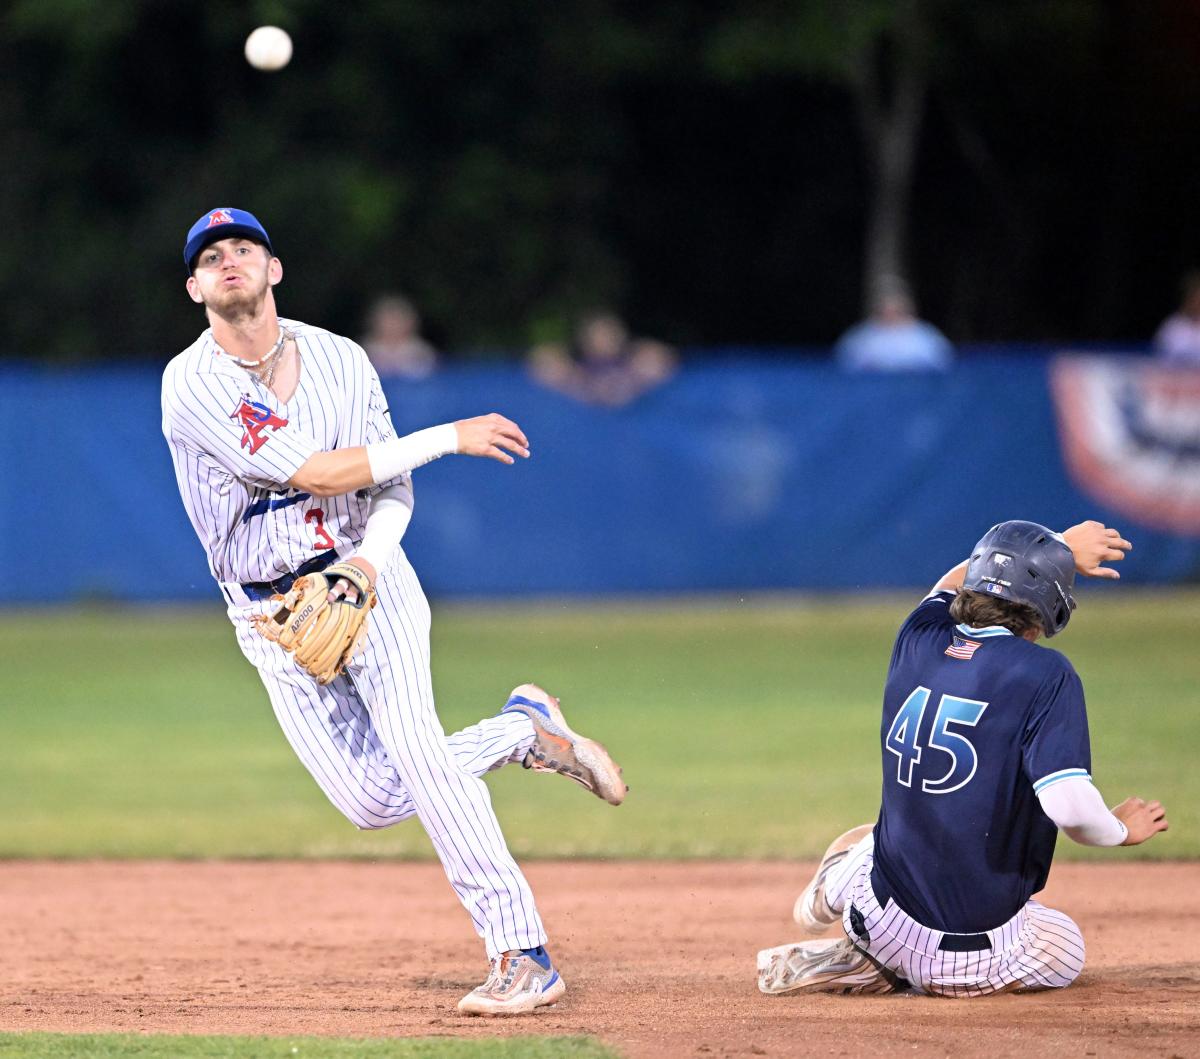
(985,756)
(299,488)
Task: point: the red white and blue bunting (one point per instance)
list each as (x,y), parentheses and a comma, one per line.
(1130,432)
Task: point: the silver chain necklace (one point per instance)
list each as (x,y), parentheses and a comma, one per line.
(265,366)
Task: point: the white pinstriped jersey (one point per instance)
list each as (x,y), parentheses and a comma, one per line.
(235,445)
(371,738)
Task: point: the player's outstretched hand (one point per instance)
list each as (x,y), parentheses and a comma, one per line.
(1142,819)
(491,435)
(1093,543)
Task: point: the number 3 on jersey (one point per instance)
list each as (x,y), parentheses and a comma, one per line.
(903,740)
(315,517)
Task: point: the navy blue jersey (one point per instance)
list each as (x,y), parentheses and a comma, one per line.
(975,721)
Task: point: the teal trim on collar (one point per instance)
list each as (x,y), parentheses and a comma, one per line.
(986,631)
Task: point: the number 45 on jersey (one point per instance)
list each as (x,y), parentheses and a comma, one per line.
(902,740)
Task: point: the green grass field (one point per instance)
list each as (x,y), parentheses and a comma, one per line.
(164,1046)
(746,728)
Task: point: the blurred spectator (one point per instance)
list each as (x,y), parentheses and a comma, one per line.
(1178,339)
(605,364)
(892,338)
(393,340)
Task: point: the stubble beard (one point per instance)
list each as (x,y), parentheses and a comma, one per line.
(238,305)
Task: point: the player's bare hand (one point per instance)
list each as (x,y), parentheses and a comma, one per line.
(1142,819)
(1093,544)
(493,436)
(342,589)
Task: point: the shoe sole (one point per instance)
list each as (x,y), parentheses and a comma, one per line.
(811,925)
(590,754)
(779,975)
(524,1005)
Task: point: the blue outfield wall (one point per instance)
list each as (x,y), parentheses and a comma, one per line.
(736,475)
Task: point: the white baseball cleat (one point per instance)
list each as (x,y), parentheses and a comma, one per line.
(559,749)
(517,985)
(829,966)
(812,911)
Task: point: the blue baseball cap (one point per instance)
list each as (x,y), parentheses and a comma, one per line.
(224,223)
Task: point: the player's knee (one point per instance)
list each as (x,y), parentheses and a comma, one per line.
(363,824)
(367,819)
(1070,965)
(1061,948)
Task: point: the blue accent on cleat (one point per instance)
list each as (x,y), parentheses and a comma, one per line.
(541,957)
(520,700)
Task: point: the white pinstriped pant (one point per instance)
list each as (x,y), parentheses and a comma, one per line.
(1039,948)
(372,740)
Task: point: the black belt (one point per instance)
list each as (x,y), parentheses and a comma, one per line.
(964,943)
(949,942)
(258,590)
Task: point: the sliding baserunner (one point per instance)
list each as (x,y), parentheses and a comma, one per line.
(985,757)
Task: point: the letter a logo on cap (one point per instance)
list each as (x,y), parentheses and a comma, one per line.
(219,217)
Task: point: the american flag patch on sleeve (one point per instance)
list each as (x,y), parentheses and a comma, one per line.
(963,648)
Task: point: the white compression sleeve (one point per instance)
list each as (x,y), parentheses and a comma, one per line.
(1076,807)
(391,510)
(390,459)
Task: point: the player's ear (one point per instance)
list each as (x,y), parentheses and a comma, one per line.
(274,271)
(193,289)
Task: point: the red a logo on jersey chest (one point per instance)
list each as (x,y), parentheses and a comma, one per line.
(255,418)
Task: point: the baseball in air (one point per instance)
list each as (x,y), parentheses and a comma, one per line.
(268,48)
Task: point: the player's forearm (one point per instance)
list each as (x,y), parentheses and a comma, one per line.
(1077,808)
(952,579)
(345,470)
(334,472)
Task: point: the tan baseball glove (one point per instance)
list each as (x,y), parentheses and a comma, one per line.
(321,635)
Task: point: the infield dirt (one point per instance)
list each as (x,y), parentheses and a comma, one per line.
(658,958)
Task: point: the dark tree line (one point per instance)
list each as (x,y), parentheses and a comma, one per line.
(723,174)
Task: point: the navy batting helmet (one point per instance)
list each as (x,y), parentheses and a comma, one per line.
(1026,563)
